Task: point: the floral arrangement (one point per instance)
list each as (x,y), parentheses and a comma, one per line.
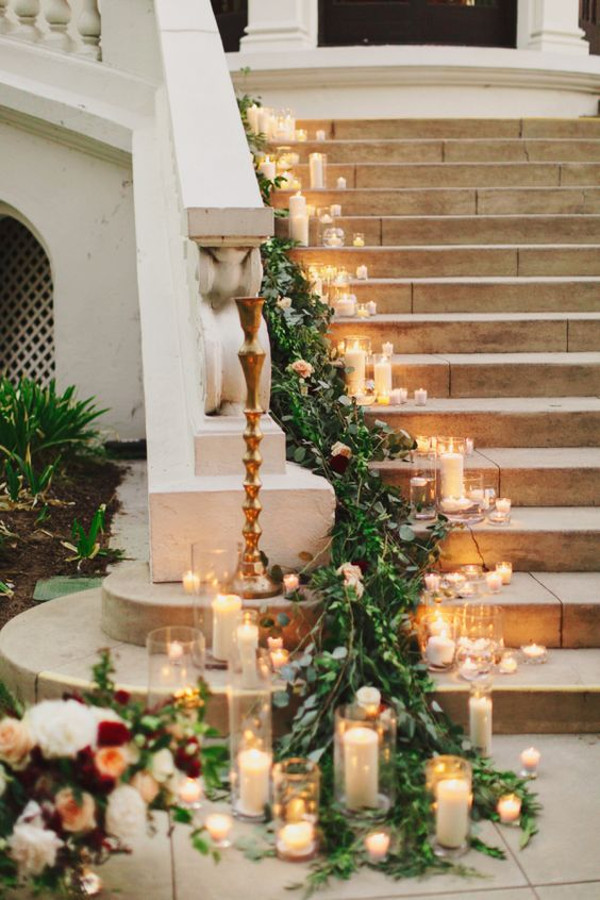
(80,777)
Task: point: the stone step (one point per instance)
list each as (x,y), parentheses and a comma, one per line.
(544,539)
(480,294)
(440,230)
(561,696)
(532,476)
(454,201)
(477,332)
(50,650)
(470,260)
(499,374)
(516,422)
(458,127)
(360,150)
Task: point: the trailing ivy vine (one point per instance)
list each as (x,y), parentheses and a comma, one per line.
(369,587)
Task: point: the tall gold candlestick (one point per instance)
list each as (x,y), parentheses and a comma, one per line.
(253,580)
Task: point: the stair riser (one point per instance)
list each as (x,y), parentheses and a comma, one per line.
(458,262)
(541,551)
(526,487)
(533,712)
(455,201)
(544,429)
(460,337)
(473,128)
(473,230)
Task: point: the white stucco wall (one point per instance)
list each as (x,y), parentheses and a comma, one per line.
(81,208)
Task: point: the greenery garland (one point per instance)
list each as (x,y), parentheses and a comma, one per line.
(369,589)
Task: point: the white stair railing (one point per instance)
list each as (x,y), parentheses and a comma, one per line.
(71,26)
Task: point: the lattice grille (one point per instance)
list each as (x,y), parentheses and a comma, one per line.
(26,312)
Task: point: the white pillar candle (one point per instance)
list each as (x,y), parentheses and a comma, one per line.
(252,114)
(383,375)
(530,760)
(509,809)
(440,650)
(356,358)
(505,571)
(267,168)
(377,844)
(452,813)
(361,767)
(280,657)
(191,582)
(480,724)
(335,209)
(297,204)
(254,770)
(372,308)
(226,610)
(469,446)
(362,273)
(494,582)
(316,170)
(264,120)
(451,474)
(320,134)
(341,183)
(299,229)
(369,699)
(346,305)
(219,826)
(247,643)
(420,397)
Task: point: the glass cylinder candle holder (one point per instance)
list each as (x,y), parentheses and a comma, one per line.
(317,167)
(480,716)
(505,570)
(357,351)
(364,750)
(250,735)
(333,237)
(217,610)
(246,644)
(296,787)
(481,628)
(451,469)
(382,373)
(501,513)
(448,780)
(509,809)
(437,637)
(534,654)
(422,485)
(175,663)
(509,663)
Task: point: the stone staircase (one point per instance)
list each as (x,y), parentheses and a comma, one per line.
(482,246)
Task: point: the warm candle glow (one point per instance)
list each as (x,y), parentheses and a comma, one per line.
(508,663)
(534,653)
(175,651)
(191,582)
(297,838)
(509,809)
(505,571)
(219,826)
(274,643)
(377,844)
(279,658)
(291,582)
(190,791)
(530,760)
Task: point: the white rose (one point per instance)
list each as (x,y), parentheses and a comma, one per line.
(340,449)
(284,303)
(162,765)
(125,813)
(32,815)
(352,576)
(33,848)
(62,727)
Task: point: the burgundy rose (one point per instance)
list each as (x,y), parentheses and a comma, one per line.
(362,564)
(122,697)
(339,463)
(187,758)
(113,734)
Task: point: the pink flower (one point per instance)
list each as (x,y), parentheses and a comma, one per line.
(111,762)
(15,741)
(75,815)
(352,576)
(302,368)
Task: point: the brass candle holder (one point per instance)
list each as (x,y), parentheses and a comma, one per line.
(252,581)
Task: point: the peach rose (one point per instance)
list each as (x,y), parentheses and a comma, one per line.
(302,368)
(75,816)
(15,741)
(111,761)
(146,785)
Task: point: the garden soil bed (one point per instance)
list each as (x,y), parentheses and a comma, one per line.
(36,551)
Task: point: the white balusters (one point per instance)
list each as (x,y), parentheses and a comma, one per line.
(27,12)
(6,25)
(88,25)
(58,16)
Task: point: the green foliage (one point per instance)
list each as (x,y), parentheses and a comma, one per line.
(87,543)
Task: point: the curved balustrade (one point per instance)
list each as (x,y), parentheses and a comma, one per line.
(71,26)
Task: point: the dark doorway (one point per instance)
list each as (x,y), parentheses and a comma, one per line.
(474,23)
(232,18)
(589,20)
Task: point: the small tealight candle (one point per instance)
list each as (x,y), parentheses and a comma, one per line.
(387,348)
(358,240)
(191,582)
(369,699)
(219,827)
(383,399)
(296,839)
(503,504)
(335,209)
(362,273)
(509,809)
(508,664)
(494,582)
(175,651)
(190,792)
(280,657)
(530,760)
(341,183)
(505,571)
(320,134)
(362,312)
(301,134)
(432,582)
(534,653)
(372,308)
(274,643)
(468,669)
(469,446)
(291,582)
(421,397)
(377,844)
